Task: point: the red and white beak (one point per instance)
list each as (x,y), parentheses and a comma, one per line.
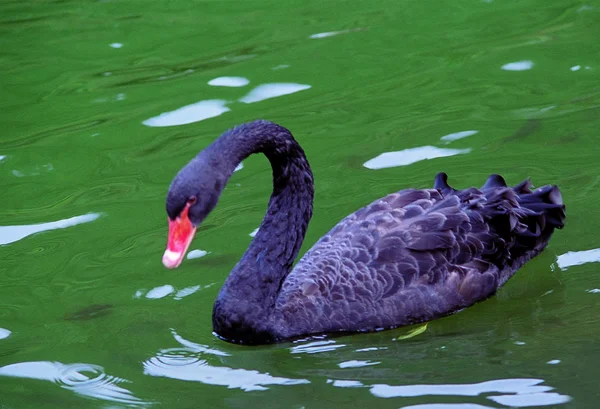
(181,233)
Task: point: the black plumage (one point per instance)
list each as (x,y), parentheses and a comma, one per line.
(409,257)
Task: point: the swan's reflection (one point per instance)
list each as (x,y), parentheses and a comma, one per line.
(576,258)
(190,363)
(10,234)
(188,114)
(410,156)
(84,379)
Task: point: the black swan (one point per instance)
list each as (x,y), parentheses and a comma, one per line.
(409,257)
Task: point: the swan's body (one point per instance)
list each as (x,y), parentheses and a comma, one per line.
(409,257)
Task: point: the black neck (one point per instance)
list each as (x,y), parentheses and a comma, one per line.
(243,307)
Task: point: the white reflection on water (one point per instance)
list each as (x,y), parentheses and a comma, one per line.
(316,347)
(229,82)
(576,258)
(116,45)
(410,156)
(515,392)
(356,364)
(10,234)
(457,135)
(266,91)
(4,333)
(186,363)
(448,405)
(2,157)
(160,292)
(83,379)
(253,232)
(518,66)
(197,254)
(240,166)
(188,114)
(332,33)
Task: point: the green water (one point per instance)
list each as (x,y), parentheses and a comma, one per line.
(89,318)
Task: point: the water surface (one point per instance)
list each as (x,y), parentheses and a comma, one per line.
(103,102)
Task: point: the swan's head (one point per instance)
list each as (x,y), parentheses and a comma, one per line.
(192,196)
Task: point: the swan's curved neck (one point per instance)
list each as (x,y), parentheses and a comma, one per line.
(243,307)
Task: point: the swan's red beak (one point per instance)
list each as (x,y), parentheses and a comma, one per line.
(181,233)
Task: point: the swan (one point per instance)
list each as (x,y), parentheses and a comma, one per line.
(409,257)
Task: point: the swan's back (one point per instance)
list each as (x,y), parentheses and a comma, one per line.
(416,255)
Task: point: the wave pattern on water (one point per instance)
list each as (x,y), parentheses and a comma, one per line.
(188,363)
(84,379)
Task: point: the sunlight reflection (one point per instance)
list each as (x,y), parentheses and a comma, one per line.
(229,82)
(188,114)
(457,135)
(187,363)
(577,258)
(410,156)
(266,91)
(516,392)
(83,379)
(197,254)
(356,364)
(518,66)
(4,333)
(316,347)
(10,234)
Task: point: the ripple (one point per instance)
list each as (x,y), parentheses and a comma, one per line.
(116,45)
(457,135)
(343,383)
(4,333)
(240,166)
(553,362)
(410,156)
(576,68)
(254,232)
(187,364)
(518,66)
(11,234)
(188,114)
(577,258)
(84,379)
(37,170)
(532,399)
(229,82)
(2,157)
(272,90)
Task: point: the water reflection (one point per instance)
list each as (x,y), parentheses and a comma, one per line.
(190,363)
(356,364)
(229,82)
(197,254)
(188,114)
(10,234)
(576,258)
(4,333)
(266,91)
(332,33)
(410,156)
(514,392)
(457,135)
(518,66)
(83,379)
(316,347)
(167,289)
(116,45)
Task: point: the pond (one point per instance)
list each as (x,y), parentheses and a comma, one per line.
(104,101)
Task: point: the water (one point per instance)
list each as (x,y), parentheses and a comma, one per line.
(90,318)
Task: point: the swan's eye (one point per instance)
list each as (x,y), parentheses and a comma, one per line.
(192,200)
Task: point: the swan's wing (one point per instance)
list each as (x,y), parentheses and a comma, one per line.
(391,260)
